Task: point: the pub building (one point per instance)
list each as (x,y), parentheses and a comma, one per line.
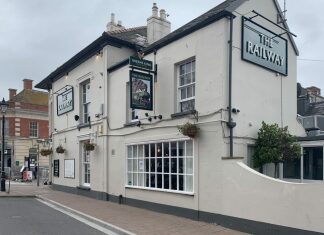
(117,107)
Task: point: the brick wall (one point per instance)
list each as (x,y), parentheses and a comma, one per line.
(42,127)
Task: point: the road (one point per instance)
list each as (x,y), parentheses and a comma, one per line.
(29,216)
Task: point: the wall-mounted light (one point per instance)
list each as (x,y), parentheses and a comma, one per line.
(66,75)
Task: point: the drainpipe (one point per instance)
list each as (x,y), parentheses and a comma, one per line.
(230,123)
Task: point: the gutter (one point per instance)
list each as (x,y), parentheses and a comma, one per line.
(230,123)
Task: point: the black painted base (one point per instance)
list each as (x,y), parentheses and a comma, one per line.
(243,225)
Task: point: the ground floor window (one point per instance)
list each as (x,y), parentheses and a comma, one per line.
(311,163)
(166,165)
(85,165)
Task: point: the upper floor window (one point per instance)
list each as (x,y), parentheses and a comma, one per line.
(33,129)
(186,86)
(85,101)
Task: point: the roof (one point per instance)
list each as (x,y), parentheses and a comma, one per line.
(311,138)
(315,109)
(136,35)
(131,38)
(219,12)
(225,9)
(31,97)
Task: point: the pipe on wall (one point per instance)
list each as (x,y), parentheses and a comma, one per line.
(230,123)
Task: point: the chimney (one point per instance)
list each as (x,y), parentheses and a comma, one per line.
(157,27)
(28,84)
(112,26)
(12,93)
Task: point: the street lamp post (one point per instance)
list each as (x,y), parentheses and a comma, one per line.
(3,108)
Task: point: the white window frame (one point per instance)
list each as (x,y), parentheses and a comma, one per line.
(137,178)
(192,83)
(85,101)
(85,161)
(32,131)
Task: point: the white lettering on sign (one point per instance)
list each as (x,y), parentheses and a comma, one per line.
(264,51)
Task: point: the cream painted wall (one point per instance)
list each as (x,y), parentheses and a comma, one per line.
(260,94)
(256,92)
(65,127)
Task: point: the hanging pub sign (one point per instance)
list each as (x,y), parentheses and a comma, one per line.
(140,63)
(65,102)
(141,90)
(264,48)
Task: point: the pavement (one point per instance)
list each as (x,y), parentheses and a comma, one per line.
(121,219)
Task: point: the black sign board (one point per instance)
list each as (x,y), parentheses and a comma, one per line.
(64,102)
(144,64)
(56,170)
(141,90)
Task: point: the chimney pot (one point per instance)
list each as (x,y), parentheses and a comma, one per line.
(119,23)
(28,84)
(12,93)
(162,14)
(112,20)
(155,10)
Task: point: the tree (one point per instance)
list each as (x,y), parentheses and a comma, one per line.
(275,145)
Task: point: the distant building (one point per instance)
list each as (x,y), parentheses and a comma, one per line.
(26,121)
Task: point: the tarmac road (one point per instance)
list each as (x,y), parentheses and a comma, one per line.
(28,216)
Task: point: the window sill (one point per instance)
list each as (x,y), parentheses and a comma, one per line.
(84,125)
(83,188)
(160,190)
(182,114)
(130,124)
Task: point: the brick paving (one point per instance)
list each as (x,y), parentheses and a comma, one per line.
(135,220)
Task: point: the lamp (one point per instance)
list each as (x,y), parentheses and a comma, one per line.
(3,108)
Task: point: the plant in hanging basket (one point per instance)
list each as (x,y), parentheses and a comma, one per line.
(89,146)
(60,149)
(46,152)
(189,129)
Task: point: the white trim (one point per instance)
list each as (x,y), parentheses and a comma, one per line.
(145,173)
(160,190)
(158,140)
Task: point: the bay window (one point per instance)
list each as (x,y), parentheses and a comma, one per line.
(165,166)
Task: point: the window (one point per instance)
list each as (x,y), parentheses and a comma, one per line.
(186,86)
(312,166)
(313,163)
(85,164)
(33,130)
(165,166)
(85,98)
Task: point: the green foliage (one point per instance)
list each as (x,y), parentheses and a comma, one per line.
(189,129)
(274,145)
(46,152)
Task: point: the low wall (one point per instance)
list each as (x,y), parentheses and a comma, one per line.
(250,195)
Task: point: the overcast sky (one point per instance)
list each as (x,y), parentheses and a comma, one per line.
(37,36)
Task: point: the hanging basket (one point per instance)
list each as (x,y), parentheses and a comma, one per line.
(60,149)
(189,129)
(89,146)
(46,152)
